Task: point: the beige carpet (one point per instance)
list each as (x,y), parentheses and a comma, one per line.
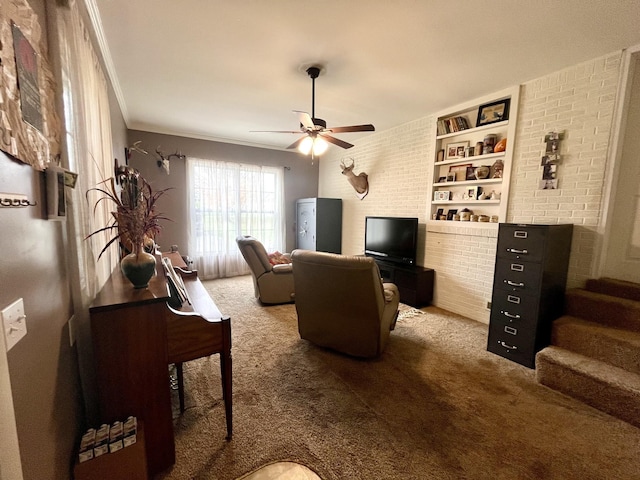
(435,405)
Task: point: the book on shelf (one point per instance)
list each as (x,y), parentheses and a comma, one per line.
(452,125)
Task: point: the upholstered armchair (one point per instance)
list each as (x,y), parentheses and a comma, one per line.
(342,303)
(273,284)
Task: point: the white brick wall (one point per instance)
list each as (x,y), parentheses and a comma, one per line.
(578,100)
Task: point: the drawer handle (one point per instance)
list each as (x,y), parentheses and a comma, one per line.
(515,250)
(514,284)
(520,234)
(516,267)
(510,315)
(508,347)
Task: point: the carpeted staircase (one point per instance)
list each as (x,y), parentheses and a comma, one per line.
(594,354)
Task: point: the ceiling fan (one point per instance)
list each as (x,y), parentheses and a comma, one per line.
(315,129)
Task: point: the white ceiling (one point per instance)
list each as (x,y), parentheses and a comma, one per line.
(218,69)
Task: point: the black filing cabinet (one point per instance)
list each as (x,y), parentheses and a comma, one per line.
(529,282)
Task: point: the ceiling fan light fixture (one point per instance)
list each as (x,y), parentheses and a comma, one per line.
(315,145)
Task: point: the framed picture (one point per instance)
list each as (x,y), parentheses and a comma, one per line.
(451,213)
(550,184)
(460,171)
(439,213)
(471,193)
(442,179)
(471,173)
(549,172)
(455,150)
(550,158)
(493,112)
(451,177)
(441,195)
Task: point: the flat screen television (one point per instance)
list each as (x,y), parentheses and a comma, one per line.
(391,239)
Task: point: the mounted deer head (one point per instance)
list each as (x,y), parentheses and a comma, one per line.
(163,162)
(359,182)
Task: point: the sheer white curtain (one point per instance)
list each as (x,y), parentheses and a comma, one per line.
(227,199)
(88,152)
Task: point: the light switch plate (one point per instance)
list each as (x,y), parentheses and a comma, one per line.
(14,323)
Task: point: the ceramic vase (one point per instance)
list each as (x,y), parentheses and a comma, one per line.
(139,266)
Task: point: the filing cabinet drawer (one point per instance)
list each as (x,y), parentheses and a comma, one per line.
(522,242)
(519,347)
(518,276)
(511,307)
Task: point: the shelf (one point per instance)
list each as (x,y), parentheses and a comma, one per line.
(464,186)
(469,182)
(466,202)
(461,161)
(474,129)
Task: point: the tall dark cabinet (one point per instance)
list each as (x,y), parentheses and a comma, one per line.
(319,224)
(529,282)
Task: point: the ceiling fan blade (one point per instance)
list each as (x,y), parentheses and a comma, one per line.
(353,128)
(335,141)
(305,119)
(295,144)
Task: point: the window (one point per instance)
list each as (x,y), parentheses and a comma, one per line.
(228,199)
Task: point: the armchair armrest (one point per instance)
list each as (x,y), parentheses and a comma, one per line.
(281,268)
(390,291)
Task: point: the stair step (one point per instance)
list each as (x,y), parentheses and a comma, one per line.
(605,387)
(603,309)
(620,348)
(615,288)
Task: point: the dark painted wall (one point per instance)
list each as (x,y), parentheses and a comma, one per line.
(300,178)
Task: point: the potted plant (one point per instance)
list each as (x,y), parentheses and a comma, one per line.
(135,223)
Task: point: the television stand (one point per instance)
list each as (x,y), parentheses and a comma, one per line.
(414,283)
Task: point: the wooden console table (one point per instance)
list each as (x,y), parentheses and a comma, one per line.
(135,335)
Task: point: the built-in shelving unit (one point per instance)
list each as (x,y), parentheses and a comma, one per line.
(453,154)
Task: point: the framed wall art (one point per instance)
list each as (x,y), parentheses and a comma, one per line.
(29,123)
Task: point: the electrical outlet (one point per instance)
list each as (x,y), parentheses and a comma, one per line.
(14,323)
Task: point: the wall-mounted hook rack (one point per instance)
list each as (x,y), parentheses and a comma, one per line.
(14,200)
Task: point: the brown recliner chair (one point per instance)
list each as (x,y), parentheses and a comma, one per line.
(273,283)
(342,302)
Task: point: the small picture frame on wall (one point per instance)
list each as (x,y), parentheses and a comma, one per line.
(493,112)
(455,150)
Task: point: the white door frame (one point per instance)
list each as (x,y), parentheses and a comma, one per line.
(614,153)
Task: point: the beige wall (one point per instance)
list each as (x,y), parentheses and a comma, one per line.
(300,177)
(43,366)
(578,100)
